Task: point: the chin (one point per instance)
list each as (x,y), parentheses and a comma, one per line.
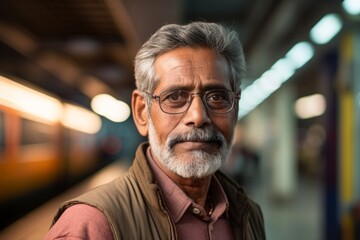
(197,164)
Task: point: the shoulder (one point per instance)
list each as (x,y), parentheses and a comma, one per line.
(81,221)
(87,210)
(100,196)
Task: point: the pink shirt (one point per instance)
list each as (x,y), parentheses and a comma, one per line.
(81,222)
(191,220)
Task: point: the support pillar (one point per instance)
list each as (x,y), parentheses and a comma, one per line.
(284,174)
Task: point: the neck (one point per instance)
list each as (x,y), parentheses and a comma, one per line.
(196,189)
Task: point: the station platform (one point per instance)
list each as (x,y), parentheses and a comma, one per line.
(35,225)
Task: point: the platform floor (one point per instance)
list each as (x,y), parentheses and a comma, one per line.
(297,219)
(35,225)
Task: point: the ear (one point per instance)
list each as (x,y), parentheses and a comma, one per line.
(140,114)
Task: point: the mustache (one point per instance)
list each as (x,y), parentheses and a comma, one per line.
(198,135)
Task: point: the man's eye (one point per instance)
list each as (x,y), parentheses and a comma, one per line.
(174,97)
(216,97)
(177,96)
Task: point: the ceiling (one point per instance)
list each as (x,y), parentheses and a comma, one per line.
(77,49)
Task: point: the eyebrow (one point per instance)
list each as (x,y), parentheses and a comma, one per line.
(215,87)
(189,88)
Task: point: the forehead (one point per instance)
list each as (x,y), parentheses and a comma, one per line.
(192,68)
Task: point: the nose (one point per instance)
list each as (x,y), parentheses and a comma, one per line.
(197,114)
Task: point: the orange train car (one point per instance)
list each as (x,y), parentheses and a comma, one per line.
(45,145)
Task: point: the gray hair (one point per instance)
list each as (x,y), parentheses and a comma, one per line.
(197,34)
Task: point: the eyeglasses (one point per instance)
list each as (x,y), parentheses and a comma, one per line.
(176,102)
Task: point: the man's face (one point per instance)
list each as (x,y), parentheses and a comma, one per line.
(196,142)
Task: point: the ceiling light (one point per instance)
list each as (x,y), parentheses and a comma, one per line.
(111,108)
(272,79)
(245,109)
(285,69)
(29,101)
(310,106)
(352,7)
(300,54)
(326,28)
(80,119)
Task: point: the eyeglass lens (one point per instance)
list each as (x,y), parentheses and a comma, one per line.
(218,101)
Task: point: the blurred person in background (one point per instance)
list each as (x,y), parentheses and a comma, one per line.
(188,87)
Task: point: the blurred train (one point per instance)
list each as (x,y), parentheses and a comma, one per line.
(45,145)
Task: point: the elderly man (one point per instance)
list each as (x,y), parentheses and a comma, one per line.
(188,86)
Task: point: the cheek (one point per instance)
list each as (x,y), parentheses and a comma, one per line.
(163,125)
(226,126)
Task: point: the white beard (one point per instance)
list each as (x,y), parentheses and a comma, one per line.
(193,164)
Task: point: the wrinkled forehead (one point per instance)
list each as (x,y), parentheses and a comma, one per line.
(192,67)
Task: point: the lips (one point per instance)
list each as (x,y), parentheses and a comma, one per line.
(186,147)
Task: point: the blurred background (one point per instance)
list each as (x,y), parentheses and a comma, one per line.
(66,77)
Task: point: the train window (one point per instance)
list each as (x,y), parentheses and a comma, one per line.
(37,141)
(35,132)
(2,132)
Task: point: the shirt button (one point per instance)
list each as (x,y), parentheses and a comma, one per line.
(196,211)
